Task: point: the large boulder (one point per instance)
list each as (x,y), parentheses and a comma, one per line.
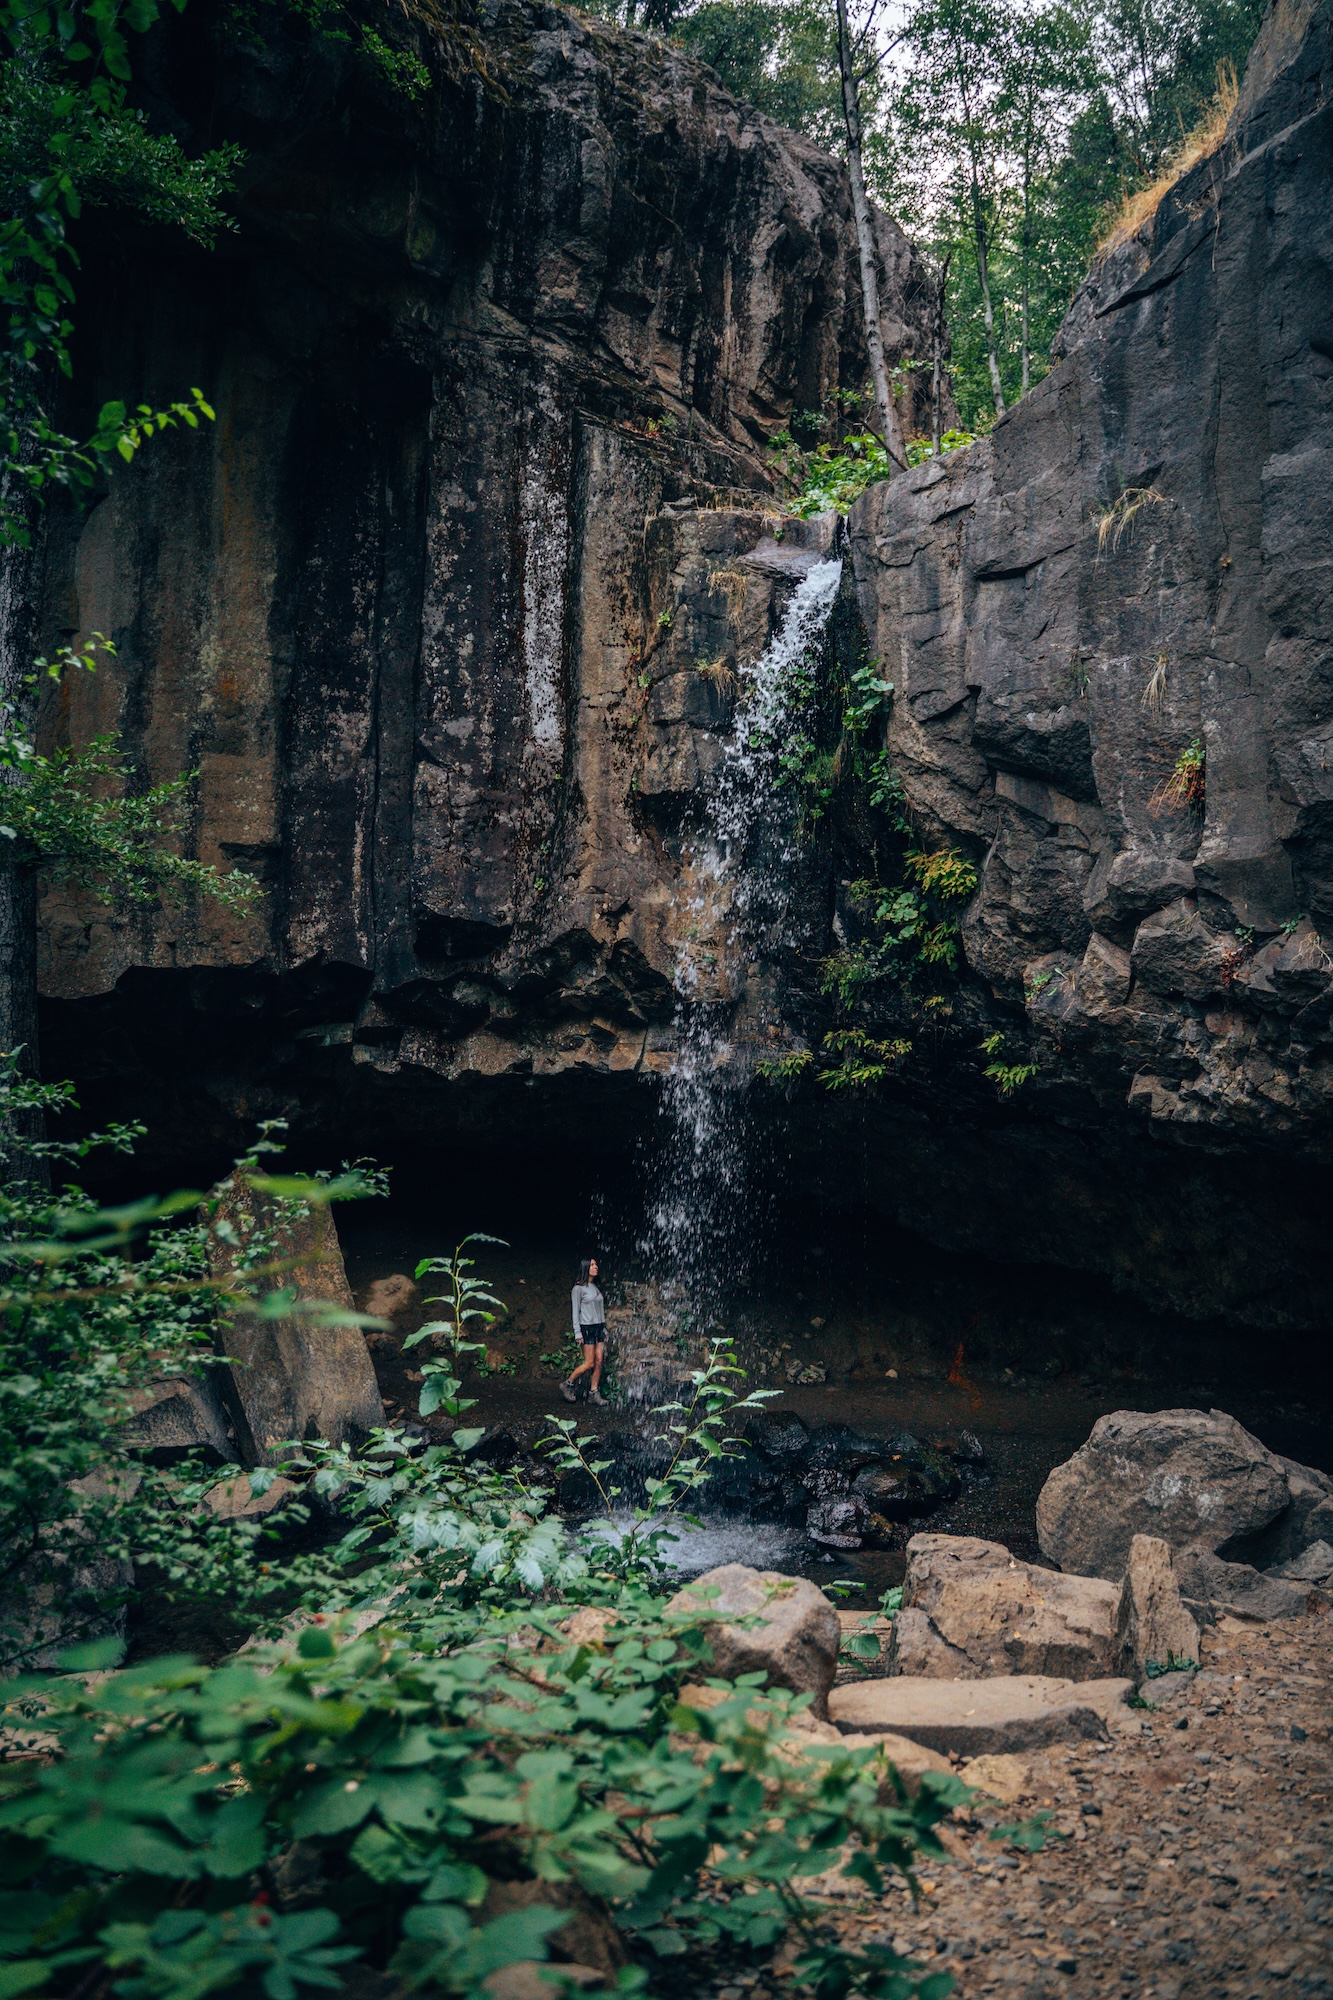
(970,1609)
(790,1630)
(299,1376)
(1153,1627)
(1187,1476)
(1012,1712)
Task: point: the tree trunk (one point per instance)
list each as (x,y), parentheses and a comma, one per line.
(983,275)
(20,573)
(1027,252)
(937,356)
(885,409)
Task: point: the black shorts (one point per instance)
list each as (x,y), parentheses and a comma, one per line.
(594,1335)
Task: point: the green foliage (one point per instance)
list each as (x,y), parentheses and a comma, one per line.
(408,1770)
(834,476)
(1186,789)
(71,815)
(946,874)
(866,700)
(696,1439)
(301,1808)
(785,1069)
(68,137)
(449,24)
(862,1061)
(94,1304)
(468,1298)
(1007,1076)
(780,56)
(1012,134)
(912,929)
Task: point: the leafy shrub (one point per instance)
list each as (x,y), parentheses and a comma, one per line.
(368,1795)
(1005,1075)
(266,1823)
(289,1812)
(93,1305)
(916,932)
(833,477)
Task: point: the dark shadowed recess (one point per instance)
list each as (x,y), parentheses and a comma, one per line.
(923,1241)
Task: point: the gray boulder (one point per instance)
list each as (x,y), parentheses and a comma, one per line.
(181,1413)
(837,1522)
(1212,1588)
(1186,1476)
(1314,1566)
(791,1631)
(971,1610)
(1153,1627)
(1175,951)
(1306,1519)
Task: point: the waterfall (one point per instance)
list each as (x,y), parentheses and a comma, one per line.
(700,1213)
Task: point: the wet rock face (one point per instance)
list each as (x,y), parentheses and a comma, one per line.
(447,611)
(1135,563)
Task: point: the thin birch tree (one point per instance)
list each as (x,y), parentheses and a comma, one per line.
(859,57)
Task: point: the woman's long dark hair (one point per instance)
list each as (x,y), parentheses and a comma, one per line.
(584,1278)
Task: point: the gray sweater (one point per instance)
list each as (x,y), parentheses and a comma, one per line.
(589,1312)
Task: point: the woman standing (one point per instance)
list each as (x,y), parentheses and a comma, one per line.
(589,1330)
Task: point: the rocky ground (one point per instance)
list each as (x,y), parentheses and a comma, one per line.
(1196,1861)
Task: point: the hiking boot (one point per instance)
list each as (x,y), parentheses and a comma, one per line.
(596,1396)
(569,1393)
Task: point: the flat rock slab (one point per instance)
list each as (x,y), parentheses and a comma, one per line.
(1011,1712)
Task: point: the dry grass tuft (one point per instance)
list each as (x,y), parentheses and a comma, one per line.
(1186,788)
(1114,522)
(1200,144)
(722,675)
(1154,692)
(733,584)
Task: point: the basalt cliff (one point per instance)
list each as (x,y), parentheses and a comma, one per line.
(447,611)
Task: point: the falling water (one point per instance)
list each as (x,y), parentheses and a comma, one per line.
(700,1214)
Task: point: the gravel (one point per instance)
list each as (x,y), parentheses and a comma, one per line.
(1198,1857)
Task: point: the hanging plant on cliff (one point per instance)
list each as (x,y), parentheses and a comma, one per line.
(72,816)
(1186,789)
(913,923)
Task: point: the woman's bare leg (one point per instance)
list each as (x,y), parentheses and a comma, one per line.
(599,1357)
(589,1360)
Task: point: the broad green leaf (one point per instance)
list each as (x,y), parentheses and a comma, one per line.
(120,1845)
(332,1807)
(457,1882)
(238,1844)
(94,1656)
(24,1975)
